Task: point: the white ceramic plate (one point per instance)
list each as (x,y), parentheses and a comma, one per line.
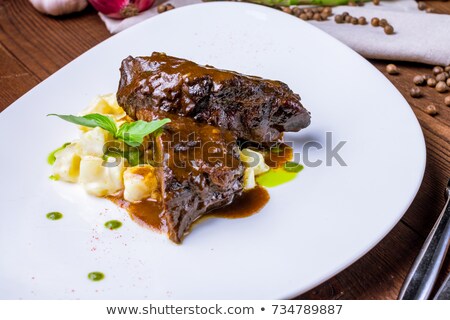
(312,227)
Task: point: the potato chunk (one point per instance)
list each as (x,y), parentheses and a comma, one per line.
(249,179)
(106,105)
(140,183)
(99,179)
(67,164)
(255,160)
(93,141)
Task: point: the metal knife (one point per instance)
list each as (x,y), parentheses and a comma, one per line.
(425,270)
(444,290)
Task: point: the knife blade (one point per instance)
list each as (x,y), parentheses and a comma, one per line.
(425,270)
(444,291)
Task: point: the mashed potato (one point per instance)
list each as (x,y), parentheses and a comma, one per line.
(67,164)
(84,160)
(140,183)
(99,179)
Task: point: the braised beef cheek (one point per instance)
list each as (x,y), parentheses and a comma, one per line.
(252,108)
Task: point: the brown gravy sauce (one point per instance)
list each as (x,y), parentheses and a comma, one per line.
(249,203)
(147,213)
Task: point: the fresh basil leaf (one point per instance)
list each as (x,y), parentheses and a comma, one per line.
(133,133)
(104,122)
(91,120)
(133,156)
(77,120)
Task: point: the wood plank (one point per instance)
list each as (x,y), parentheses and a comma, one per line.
(439,6)
(15,79)
(429,200)
(45,44)
(380,273)
(404,82)
(33,46)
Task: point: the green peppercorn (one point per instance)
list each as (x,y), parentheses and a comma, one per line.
(419,80)
(388,29)
(327,10)
(437,70)
(421,5)
(296,11)
(441,87)
(287,10)
(391,69)
(431,82)
(338,19)
(447,101)
(317,17)
(431,110)
(161,8)
(441,77)
(375,22)
(415,92)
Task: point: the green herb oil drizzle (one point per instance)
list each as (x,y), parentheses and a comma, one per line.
(277,176)
(113,224)
(51,157)
(54,215)
(96,276)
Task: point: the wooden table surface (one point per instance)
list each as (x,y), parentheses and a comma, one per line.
(33,46)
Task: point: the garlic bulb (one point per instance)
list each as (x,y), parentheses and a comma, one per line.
(58,7)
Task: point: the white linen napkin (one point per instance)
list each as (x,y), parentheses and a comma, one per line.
(419,36)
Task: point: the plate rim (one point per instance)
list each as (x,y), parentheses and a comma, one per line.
(271,11)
